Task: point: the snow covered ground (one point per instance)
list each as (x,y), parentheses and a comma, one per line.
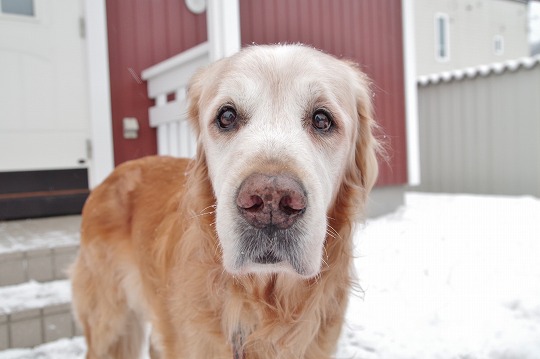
(446,276)
(449,277)
(33,295)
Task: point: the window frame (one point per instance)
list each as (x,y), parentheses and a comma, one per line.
(10,15)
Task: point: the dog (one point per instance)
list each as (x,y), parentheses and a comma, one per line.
(244,251)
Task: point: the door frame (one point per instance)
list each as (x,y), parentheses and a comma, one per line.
(101,145)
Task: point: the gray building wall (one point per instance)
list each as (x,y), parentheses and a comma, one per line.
(480,130)
(473,27)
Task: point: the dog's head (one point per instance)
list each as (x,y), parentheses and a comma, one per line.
(283,130)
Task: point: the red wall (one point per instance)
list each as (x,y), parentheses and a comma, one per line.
(141,34)
(145,32)
(367,31)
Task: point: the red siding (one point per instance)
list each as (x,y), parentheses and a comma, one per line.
(141,34)
(367,31)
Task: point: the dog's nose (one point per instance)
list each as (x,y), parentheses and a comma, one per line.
(271,201)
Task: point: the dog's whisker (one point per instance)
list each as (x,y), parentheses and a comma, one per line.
(202,214)
(325,262)
(330,234)
(325,252)
(217,249)
(213,206)
(334,231)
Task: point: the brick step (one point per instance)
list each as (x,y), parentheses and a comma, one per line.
(34,313)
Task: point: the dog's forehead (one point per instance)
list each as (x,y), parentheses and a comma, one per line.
(277,64)
(289,73)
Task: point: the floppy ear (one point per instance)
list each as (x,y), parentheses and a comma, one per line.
(363,169)
(194,93)
(367,146)
(201,88)
(199,191)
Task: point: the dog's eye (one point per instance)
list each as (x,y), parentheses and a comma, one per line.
(227,118)
(322,121)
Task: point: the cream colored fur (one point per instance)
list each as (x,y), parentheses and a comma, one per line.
(159,242)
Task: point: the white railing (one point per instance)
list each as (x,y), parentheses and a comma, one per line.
(167,85)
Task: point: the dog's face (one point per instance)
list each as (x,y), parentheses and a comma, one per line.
(282,128)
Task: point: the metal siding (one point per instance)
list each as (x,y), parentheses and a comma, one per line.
(482,134)
(368,32)
(142,33)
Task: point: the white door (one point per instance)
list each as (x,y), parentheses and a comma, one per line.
(44,113)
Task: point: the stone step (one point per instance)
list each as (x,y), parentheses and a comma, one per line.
(66,348)
(37,249)
(41,264)
(34,292)
(34,313)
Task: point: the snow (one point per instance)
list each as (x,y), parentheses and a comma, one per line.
(25,235)
(446,276)
(61,349)
(482,70)
(32,295)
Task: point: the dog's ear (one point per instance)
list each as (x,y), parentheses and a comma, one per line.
(364,170)
(201,89)
(194,94)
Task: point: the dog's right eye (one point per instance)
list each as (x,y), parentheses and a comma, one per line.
(227,117)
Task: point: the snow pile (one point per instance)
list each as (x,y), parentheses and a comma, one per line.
(446,276)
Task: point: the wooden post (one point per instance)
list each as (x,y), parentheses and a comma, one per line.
(223,25)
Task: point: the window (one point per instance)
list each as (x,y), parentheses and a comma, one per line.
(17,7)
(498,45)
(442,37)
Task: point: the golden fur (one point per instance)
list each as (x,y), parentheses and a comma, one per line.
(150,253)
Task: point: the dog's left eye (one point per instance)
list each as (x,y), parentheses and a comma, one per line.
(227,118)
(322,121)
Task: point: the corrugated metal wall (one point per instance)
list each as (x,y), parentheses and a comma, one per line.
(367,31)
(482,134)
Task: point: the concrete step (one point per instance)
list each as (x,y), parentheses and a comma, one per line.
(41,264)
(66,348)
(35,294)
(34,313)
(37,249)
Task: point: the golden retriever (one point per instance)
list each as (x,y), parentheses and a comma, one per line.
(246,250)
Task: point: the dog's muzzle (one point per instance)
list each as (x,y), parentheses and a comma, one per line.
(271,202)
(271,205)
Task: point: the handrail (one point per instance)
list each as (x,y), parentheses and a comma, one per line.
(169,79)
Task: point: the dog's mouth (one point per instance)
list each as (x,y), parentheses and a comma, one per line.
(267,257)
(271,226)
(265,251)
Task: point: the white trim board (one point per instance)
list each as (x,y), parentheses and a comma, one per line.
(411,94)
(99,90)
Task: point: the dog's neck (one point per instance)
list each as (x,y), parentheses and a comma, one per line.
(274,311)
